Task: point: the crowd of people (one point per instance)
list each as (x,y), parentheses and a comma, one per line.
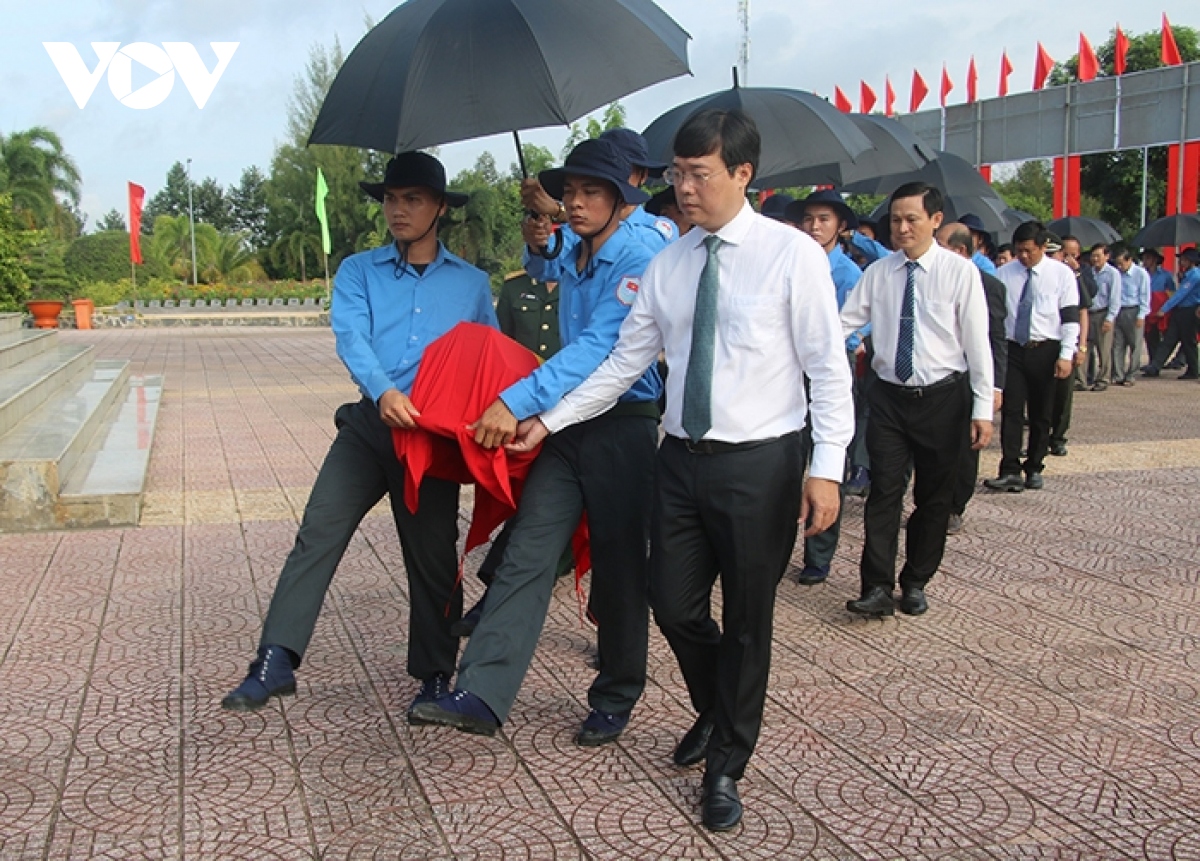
(790,357)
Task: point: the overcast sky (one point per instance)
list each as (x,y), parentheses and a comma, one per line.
(806,44)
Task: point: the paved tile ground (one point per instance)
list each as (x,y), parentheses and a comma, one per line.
(1044,708)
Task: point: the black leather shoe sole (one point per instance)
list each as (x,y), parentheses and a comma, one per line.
(592,738)
(1009,483)
(431,714)
(693,747)
(913,605)
(239,703)
(722,809)
(870,608)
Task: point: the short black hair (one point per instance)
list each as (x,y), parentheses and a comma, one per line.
(731,134)
(1007,246)
(1099,246)
(1070,238)
(931,196)
(1031,231)
(1120,250)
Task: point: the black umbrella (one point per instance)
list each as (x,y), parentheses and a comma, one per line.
(798,129)
(438,71)
(962,186)
(1170,232)
(989,207)
(1013,218)
(894,149)
(1089,231)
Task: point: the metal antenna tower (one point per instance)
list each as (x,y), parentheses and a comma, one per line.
(744,50)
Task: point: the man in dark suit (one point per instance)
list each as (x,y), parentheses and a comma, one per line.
(957,238)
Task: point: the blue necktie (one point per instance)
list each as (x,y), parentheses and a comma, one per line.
(1024,312)
(908,325)
(697,385)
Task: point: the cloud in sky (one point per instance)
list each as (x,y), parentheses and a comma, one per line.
(806,44)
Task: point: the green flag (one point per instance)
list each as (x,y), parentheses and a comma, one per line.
(322,193)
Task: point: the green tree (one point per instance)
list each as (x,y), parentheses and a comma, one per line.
(47,272)
(42,182)
(171,199)
(170,246)
(1030,190)
(102,256)
(248,206)
(210,205)
(112,220)
(592,127)
(14,242)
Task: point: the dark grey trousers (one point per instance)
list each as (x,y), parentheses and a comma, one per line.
(359,469)
(604,467)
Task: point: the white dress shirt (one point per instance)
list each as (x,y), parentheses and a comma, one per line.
(951,331)
(776,322)
(1054,288)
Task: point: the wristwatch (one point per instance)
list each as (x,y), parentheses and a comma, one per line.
(560,217)
(1082,348)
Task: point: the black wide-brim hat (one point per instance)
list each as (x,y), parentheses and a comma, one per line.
(412,169)
(595,158)
(666,197)
(823,197)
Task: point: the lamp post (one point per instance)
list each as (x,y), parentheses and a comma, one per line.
(192,222)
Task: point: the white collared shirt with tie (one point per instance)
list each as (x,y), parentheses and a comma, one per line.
(951,331)
(1054,288)
(776,322)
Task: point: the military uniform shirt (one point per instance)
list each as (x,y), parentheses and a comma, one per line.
(528,313)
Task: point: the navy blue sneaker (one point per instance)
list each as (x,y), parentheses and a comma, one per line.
(433,688)
(601,727)
(270,676)
(812,575)
(859,483)
(461,710)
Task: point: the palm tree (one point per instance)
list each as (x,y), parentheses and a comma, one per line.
(39,175)
(232,260)
(292,250)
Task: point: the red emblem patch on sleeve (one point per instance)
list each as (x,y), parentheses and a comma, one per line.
(627,290)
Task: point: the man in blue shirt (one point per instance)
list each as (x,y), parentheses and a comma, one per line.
(1105,305)
(604,467)
(389,304)
(1131,316)
(655,231)
(1181,310)
(825,217)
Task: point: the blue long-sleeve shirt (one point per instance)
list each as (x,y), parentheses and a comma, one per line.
(1108,291)
(1135,289)
(654,232)
(983,262)
(592,305)
(1188,294)
(845,274)
(870,249)
(1162,280)
(385,315)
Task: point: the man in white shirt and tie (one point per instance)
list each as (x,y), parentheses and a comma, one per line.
(744,307)
(1043,332)
(933,397)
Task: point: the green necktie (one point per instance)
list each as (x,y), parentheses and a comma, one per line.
(697,386)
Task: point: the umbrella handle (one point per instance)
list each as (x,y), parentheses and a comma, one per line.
(555,247)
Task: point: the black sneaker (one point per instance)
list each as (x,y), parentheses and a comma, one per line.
(433,688)
(270,676)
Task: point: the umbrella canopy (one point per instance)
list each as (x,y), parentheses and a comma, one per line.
(1089,231)
(989,207)
(895,149)
(438,71)
(1169,232)
(1013,218)
(798,129)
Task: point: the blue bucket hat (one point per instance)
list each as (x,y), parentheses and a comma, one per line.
(412,169)
(974,223)
(633,146)
(824,197)
(595,158)
(776,206)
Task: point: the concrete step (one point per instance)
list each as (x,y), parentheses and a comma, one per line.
(105,487)
(22,344)
(48,444)
(11,322)
(37,380)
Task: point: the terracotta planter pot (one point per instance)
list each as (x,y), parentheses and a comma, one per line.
(83,312)
(45,312)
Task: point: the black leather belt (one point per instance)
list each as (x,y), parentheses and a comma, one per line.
(713,446)
(922,391)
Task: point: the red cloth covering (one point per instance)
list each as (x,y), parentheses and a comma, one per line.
(1155,319)
(461,375)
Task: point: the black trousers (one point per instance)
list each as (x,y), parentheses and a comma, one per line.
(1181,330)
(929,431)
(1030,385)
(359,469)
(604,467)
(732,514)
(1061,408)
(964,482)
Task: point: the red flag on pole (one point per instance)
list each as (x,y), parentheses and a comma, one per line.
(1170,51)
(947,84)
(1041,71)
(1120,52)
(889,100)
(972,81)
(137,196)
(1089,66)
(866,97)
(841,101)
(1006,69)
(919,92)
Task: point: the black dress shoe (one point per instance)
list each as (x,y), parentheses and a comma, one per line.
(1058,449)
(601,727)
(912,600)
(877,602)
(1010,483)
(1034,481)
(693,747)
(722,808)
